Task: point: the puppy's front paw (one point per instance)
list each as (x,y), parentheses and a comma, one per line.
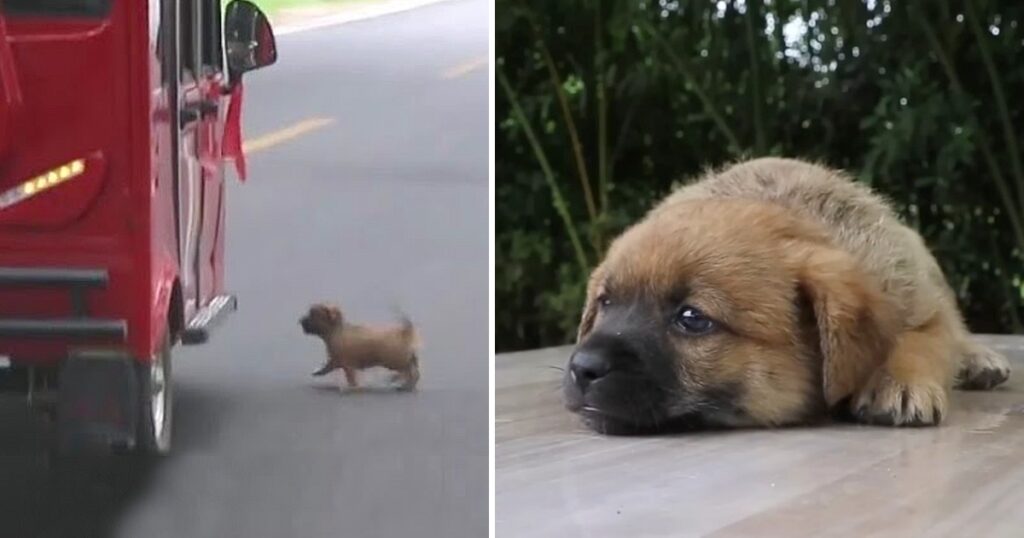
(982,369)
(887,401)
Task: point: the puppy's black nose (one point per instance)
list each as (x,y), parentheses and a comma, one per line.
(589,366)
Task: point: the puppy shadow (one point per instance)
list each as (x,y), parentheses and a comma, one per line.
(372,382)
(368,391)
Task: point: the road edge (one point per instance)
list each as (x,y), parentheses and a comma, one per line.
(355,14)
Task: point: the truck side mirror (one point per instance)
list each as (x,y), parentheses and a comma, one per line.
(248,39)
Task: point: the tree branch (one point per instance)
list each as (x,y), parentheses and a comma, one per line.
(570,126)
(709,106)
(984,146)
(754,13)
(557,200)
(1012,145)
(602,110)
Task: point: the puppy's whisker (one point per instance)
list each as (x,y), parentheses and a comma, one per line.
(653,414)
(559,368)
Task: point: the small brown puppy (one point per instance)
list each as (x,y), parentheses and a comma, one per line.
(356,347)
(770,293)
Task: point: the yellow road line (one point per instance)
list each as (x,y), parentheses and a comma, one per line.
(464,68)
(270,140)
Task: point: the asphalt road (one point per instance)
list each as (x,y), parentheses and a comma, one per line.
(384,206)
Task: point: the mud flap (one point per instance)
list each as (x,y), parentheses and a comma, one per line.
(97,402)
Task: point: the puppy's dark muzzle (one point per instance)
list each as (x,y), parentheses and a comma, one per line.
(307,326)
(616,379)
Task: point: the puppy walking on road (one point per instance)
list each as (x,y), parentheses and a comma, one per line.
(353,347)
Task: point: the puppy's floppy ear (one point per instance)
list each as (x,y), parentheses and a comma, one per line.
(318,308)
(333,313)
(590,306)
(855,319)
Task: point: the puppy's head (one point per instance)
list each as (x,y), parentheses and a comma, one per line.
(321,320)
(722,313)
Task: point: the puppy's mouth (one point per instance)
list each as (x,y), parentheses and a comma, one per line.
(619,404)
(632,405)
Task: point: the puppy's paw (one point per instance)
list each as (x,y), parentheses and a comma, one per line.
(404,382)
(982,368)
(890,402)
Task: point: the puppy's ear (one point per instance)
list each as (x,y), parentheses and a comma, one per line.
(318,308)
(333,314)
(855,320)
(590,306)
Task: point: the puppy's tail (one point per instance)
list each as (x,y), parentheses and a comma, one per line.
(409,332)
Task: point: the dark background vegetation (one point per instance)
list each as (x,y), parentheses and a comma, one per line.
(604,105)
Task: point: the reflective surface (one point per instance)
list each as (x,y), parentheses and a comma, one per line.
(249,39)
(555,478)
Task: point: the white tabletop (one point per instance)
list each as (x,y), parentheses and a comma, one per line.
(555,478)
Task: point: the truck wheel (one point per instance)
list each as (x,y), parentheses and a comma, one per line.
(153,434)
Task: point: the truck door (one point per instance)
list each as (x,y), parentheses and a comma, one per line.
(210,247)
(191,112)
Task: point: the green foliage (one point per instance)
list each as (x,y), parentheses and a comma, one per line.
(603,106)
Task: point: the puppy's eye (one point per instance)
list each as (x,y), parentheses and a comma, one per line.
(603,300)
(693,322)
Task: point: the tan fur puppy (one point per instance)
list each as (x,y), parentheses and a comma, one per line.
(765,294)
(355,347)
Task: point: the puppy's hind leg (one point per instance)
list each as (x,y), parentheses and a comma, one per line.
(411,376)
(411,379)
(980,367)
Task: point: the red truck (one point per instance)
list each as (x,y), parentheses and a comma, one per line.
(117,118)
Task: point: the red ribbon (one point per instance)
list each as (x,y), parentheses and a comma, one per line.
(231,147)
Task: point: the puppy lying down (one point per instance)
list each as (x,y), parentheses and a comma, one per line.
(353,347)
(770,293)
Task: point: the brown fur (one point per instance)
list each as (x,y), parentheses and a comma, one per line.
(353,347)
(820,296)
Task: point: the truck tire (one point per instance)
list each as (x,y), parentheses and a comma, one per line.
(155,405)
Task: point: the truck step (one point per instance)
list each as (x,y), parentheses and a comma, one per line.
(207,318)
